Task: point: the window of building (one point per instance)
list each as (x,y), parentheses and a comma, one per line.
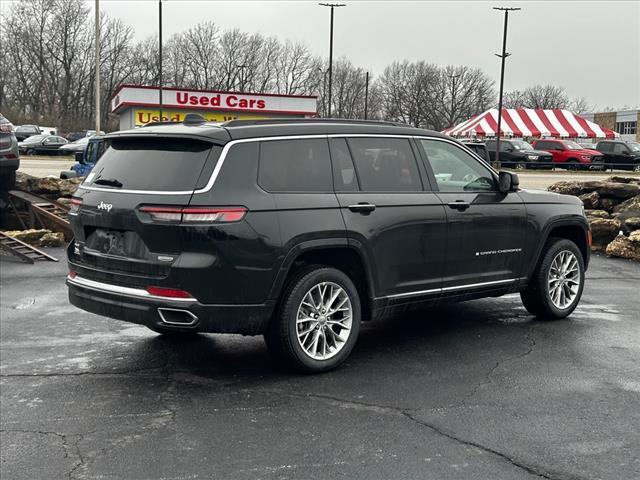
(385,165)
(295,166)
(626,128)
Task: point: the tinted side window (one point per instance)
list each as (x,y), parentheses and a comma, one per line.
(619,148)
(455,170)
(385,165)
(604,147)
(344,173)
(295,166)
(491,144)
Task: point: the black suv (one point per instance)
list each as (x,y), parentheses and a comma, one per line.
(299,230)
(620,154)
(519,154)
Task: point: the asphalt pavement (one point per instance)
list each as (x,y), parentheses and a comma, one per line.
(478,390)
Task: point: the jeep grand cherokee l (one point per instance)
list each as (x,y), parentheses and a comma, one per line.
(299,230)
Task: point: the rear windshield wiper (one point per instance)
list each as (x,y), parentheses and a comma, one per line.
(111,182)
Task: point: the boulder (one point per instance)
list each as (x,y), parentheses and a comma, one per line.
(632,223)
(630,205)
(575,188)
(635,236)
(616,179)
(597,214)
(44,186)
(608,204)
(590,200)
(32,236)
(604,230)
(68,187)
(625,248)
(621,191)
(52,239)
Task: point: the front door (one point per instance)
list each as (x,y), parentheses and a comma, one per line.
(485,228)
(389,216)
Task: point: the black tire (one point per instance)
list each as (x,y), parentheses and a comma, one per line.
(636,167)
(172,333)
(536,297)
(31,152)
(573,164)
(282,336)
(521,166)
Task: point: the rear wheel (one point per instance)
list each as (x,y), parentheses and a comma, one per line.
(557,283)
(636,167)
(521,166)
(317,321)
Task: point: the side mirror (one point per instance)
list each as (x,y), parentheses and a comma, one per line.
(508,182)
(625,152)
(508,149)
(80,157)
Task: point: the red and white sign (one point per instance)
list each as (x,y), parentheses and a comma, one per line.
(143,96)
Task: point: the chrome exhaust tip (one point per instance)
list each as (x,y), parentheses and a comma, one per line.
(177,317)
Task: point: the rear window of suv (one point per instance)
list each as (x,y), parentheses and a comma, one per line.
(156,164)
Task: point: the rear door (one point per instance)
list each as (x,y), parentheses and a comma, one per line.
(113,232)
(389,216)
(485,228)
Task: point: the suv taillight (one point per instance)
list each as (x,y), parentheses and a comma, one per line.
(195,214)
(76,203)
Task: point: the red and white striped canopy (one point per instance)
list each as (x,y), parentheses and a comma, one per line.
(529,122)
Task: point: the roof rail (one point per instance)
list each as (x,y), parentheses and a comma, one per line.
(155,124)
(270,121)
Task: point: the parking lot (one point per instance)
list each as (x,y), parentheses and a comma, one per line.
(469,391)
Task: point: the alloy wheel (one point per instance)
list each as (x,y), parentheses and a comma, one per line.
(323,320)
(564,279)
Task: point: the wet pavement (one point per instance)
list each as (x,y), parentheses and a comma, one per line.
(479,390)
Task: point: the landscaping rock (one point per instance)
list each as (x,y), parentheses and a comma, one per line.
(632,223)
(590,200)
(596,214)
(635,236)
(616,179)
(68,187)
(625,248)
(32,236)
(575,188)
(608,204)
(52,239)
(630,205)
(604,230)
(621,191)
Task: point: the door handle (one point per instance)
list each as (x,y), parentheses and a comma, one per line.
(459,205)
(363,208)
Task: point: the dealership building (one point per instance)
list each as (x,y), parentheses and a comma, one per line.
(625,122)
(137,105)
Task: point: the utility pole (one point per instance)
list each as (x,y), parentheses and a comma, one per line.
(366,95)
(324,90)
(503,57)
(97,77)
(452,120)
(160,58)
(332,5)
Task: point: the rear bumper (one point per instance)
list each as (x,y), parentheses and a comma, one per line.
(138,306)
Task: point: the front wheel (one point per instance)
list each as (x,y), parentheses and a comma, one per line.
(317,321)
(636,167)
(557,283)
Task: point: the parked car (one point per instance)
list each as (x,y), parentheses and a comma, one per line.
(91,133)
(518,154)
(72,147)
(300,229)
(42,144)
(479,148)
(25,131)
(9,157)
(620,154)
(73,136)
(568,154)
(86,160)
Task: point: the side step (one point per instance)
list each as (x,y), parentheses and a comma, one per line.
(21,250)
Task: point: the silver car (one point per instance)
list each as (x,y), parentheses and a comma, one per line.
(9,157)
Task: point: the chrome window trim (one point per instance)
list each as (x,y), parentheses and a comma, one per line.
(120,290)
(229,145)
(454,288)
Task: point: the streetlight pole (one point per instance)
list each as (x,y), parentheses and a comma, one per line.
(97,76)
(366,95)
(453,97)
(503,57)
(160,58)
(332,5)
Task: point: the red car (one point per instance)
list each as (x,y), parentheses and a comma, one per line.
(568,154)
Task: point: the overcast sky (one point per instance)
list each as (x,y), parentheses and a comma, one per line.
(592,48)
